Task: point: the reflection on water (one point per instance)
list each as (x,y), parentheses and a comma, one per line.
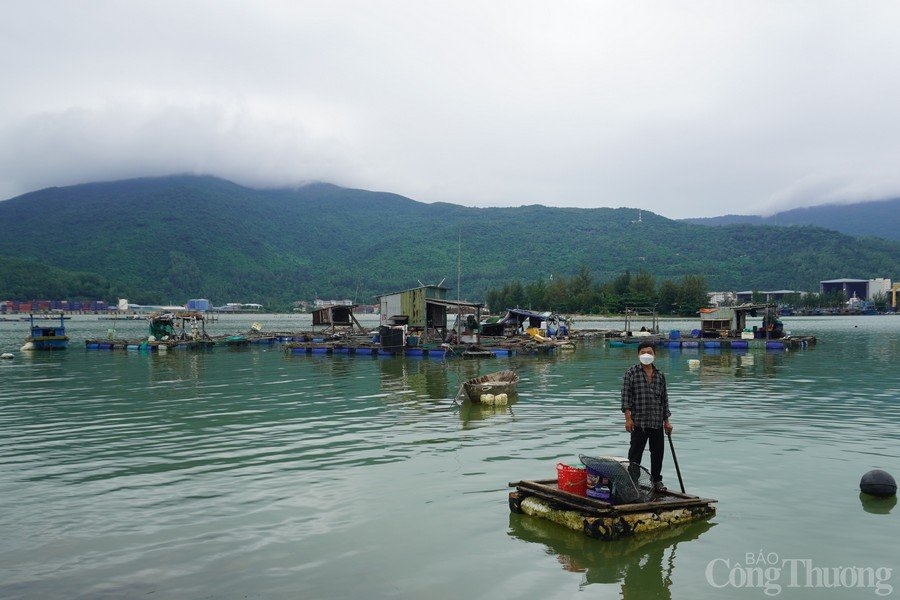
(423,378)
(170,367)
(877,505)
(471,413)
(643,565)
(715,364)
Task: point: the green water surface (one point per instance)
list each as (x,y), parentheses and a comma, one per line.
(255,474)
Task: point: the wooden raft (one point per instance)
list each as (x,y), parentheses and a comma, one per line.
(603,520)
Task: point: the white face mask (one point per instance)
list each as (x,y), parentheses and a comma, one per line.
(646,359)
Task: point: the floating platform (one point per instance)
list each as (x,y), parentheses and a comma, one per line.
(441,352)
(145,346)
(330,348)
(114,344)
(165,345)
(603,520)
(788,343)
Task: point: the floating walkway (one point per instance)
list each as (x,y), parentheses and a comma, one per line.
(323,347)
(788,343)
(487,349)
(297,344)
(146,346)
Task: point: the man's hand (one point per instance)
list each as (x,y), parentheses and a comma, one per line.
(629,424)
(667,427)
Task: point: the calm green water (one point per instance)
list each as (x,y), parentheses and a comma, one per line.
(251,474)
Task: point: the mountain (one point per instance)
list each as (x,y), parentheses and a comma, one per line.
(164,240)
(878,219)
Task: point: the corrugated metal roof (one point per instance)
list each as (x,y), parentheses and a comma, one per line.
(436,287)
(451,303)
(529,313)
(845,281)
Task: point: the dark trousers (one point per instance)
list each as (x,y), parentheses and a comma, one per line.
(639,438)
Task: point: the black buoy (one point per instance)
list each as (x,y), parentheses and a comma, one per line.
(878,483)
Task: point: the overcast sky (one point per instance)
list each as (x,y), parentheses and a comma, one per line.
(695,108)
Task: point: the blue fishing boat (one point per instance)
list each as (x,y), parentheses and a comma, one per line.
(47,337)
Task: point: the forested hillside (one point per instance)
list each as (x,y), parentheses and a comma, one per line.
(878,219)
(169,239)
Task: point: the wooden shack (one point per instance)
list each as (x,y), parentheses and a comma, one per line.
(426,309)
(335,315)
(729,321)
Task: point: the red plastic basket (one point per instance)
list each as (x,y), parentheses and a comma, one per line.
(571,479)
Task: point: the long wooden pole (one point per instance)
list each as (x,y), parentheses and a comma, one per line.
(458,393)
(675,459)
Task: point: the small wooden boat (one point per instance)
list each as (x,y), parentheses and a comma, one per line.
(45,337)
(604,520)
(501,382)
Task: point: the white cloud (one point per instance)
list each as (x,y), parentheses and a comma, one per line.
(691,109)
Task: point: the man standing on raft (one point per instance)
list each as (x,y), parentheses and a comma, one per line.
(645,403)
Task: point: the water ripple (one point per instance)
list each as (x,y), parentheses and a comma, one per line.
(119,468)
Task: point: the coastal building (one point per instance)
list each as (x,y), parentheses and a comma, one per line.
(863,289)
(769,296)
(199,304)
(323,303)
(235,307)
(879,287)
(721,298)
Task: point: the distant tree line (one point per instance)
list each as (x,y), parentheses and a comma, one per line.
(579,294)
(830,300)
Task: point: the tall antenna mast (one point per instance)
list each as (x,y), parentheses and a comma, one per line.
(458,262)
